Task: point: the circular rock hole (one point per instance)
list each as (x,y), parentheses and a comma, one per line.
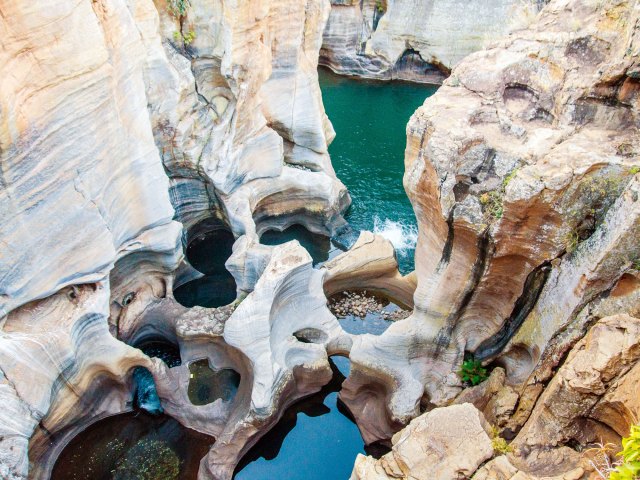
(209,247)
(133,446)
(311,335)
(362,311)
(207,385)
(318,246)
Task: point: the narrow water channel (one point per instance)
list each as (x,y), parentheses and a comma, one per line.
(370,119)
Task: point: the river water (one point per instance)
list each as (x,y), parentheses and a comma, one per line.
(370,119)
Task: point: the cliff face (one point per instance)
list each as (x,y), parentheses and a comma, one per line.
(523,173)
(416,40)
(115,116)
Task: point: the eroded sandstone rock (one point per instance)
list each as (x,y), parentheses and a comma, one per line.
(103,100)
(445,444)
(417,40)
(587,401)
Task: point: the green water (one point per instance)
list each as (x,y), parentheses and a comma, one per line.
(370,121)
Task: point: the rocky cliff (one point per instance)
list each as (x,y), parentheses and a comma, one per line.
(128,129)
(416,40)
(118,118)
(523,173)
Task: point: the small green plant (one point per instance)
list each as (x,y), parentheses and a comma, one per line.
(629,469)
(379,6)
(625,149)
(492,202)
(178,8)
(571,241)
(189,37)
(633,170)
(498,443)
(509,177)
(471,371)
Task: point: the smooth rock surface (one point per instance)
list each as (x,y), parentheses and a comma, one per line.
(416,40)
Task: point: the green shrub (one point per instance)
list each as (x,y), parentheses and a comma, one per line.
(471,371)
(629,469)
(178,8)
(189,37)
(501,446)
(571,241)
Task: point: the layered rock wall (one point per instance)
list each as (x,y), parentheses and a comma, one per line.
(416,40)
(523,173)
(115,117)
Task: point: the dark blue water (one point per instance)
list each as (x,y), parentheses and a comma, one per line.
(315,440)
(208,253)
(370,121)
(318,246)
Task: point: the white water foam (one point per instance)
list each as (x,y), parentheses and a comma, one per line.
(403,237)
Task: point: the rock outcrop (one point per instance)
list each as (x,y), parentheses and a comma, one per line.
(446,443)
(523,173)
(115,117)
(416,40)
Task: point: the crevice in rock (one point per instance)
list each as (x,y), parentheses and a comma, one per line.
(448,244)
(531,290)
(484,246)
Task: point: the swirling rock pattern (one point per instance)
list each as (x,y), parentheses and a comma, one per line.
(111,124)
(415,40)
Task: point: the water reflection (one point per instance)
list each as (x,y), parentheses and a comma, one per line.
(316,439)
(133,446)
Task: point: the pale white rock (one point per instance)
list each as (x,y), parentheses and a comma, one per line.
(417,40)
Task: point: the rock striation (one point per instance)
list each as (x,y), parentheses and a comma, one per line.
(129,129)
(415,40)
(523,173)
(118,118)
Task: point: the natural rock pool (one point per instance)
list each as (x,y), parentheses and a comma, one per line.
(316,439)
(133,446)
(370,119)
(207,252)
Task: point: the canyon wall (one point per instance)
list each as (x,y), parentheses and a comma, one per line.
(415,40)
(523,171)
(123,124)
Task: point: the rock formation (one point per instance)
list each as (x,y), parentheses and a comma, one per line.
(445,443)
(113,115)
(416,40)
(129,129)
(523,173)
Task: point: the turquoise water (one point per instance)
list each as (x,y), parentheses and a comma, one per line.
(370,121)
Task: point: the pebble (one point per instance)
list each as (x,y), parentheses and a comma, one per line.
(361,304)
